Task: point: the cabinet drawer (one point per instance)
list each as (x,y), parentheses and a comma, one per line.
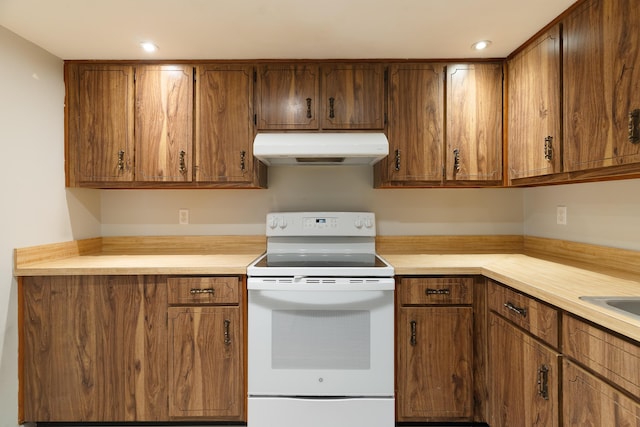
(614,358)
(435,290)
(204,290)
(538,318)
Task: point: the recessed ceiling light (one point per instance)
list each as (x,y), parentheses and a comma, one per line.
(149,47)
(482,44)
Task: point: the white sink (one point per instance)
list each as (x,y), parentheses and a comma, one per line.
(629,306)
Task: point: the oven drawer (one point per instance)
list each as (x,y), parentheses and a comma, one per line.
(204,290)
(435,291)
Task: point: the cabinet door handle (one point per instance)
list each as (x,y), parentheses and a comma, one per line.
(121,160)
(209,291)
(437,291)
(543,382)
(519,310)
(243,155)
(227,336)
(548,148)
(309,108)
(183,163)
(634,128)
(397,160)
(413,340)
(332,113)
(456,160)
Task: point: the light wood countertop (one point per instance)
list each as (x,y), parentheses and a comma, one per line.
(557,283)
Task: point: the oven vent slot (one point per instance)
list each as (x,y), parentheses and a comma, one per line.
(323,281)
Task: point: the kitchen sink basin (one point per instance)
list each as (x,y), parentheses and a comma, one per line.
(629,306)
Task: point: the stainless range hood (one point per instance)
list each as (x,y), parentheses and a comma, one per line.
(353,148)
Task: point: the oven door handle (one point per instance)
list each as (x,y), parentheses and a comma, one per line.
(322,299)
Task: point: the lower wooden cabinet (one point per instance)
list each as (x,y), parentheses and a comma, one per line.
(206,356)
(523,378)
(435,350)
(93,349)
(591,402)
(205,363)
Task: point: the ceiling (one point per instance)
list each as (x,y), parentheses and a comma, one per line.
(293,29)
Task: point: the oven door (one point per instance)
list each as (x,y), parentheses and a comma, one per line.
(320,341)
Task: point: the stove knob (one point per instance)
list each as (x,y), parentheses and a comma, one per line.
(358,223)
(273,222)
(368,223)
(283,223)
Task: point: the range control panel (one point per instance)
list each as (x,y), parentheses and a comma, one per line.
(321,224)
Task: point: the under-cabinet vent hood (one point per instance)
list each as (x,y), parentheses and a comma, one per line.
(353,148)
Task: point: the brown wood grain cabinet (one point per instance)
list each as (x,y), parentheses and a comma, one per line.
(353,96)
(415,126)
(164,123)
(474,124)
(206,349)
(524,376)
(100,123)
(94,349)
(534,108)
(601,84)
(288,97)
(434,348)
(224,126)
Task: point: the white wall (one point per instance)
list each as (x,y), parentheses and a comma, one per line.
(409,211)
(602,213)
(36,209)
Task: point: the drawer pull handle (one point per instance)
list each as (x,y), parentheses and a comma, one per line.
(414,340)
(437,292)
(309,115)
(543,382)
(121,160)
(332,113)
(456,160)
(519,310)
(397,163)
(634,128)
(209,291)
(227,337)
(548,148)
(183,163)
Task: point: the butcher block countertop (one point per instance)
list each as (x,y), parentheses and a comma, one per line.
(556,272)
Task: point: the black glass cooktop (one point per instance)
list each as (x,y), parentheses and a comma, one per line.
(320,260)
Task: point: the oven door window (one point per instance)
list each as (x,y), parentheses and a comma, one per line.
(321,339)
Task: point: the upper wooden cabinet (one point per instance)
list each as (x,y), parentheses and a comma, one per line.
(100,123)
(601,84)
(534,137)
(474,123)
(224,126)
(288,96)
(415,128)
(164,123)
(353,96)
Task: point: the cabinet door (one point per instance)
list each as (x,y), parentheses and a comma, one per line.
(435,358)
(100,117)
(206,363)
(353,96)
(224,124)
(601,76)
(287,97)
(590,402)
(523,378)
(474,123)
(535,143)
(94,349)
(416,114)
(164,123)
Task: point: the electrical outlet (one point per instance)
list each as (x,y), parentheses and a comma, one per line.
(561,215)
(183,216)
